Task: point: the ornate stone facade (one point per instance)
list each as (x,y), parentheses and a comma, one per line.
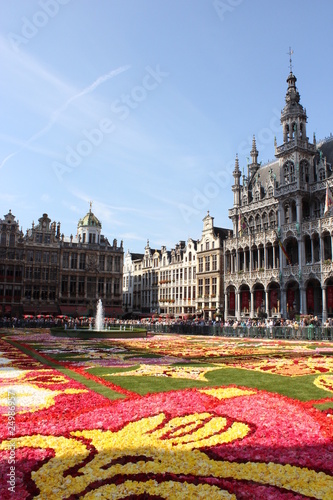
(278,260)
(44,272)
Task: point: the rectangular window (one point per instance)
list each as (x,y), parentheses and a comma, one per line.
(207,287)
(47,239)
(82,262)
(214,286)
(81,287)
(37,273)
(200,264)
(117,286)
(35,293)
(101,262)
(52,293)
(39,237)
(207,263)
(28,292)
(45,273)
(64,285)
(54,258)
(74,261)
(214,263)
(91,287)
(10,273)
(72,286)
(53,275)
(207,245)
(109,263)
(18,273)
(43,293)
(65,260)
(200,288)
(28,273)
(38,256)
(30,256)
(101,287)
(108,287)
(46,257)
(117,264)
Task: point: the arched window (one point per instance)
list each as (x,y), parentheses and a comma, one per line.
(286,213)
(289,172)
(272,219)
(258,223)
(304,171)
(265,220)
(251,224)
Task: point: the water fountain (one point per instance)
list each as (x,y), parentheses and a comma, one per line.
(99,319)
(99,330)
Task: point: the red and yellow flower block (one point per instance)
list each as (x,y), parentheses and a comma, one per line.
(227,442)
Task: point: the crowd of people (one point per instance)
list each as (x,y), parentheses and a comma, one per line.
(305,327)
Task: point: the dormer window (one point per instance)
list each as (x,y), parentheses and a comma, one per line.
(321,174)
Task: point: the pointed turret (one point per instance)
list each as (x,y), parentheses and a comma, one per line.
(254,151)
(236,187)
(293,116)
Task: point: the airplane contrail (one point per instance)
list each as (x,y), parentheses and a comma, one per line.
(57,112)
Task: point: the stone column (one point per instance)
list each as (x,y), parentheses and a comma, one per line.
(252,304)
(251,264)
(225,306)
(266,302)
(283,302)
(273,249)
(238,305)
(258,251)
(302,300)
(324,304)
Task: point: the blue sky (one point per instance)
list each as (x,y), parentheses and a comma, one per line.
(140,106)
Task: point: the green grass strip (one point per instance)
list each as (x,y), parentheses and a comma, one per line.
(324,406)
(145,385)
(301,388)
(100,389)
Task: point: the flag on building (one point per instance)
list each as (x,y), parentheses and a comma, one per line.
(283,249)
(241,225)
(328,200)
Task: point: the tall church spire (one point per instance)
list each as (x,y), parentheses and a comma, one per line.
(254,151)
(293,116)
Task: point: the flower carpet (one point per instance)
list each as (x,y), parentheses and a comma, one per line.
(167,417)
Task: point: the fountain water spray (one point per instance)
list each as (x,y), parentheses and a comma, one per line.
(99,319)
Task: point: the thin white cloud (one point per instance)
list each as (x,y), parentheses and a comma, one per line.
(55,114)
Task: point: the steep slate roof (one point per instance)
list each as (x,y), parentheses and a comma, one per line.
(221,232)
